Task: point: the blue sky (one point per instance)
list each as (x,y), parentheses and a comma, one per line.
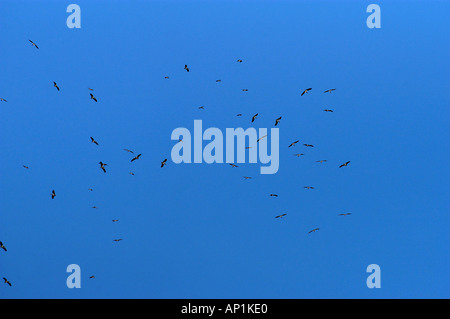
(199,230)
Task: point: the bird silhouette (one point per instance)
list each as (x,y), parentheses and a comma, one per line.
(33,44)
(53,194)
(94,141)
(277,121)
(254,117)
(2,246)
(345,164)
(6,281)
(293,143)
(136,157)
(313,230)
(93,97)
(330,90)
(280,216)
(262,137)
(102,166)
(163,163)
(306,91)
(186,68)
(55,85)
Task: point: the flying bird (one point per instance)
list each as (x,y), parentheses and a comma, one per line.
(321,161)
(345,214)
(293,143)
(247,177)
(327,110)
(239,114)
(239,60)
(90,189)
(277,120)
(119,239)
(95,207)
(6,281)
(90,89)
(308,187)
(273,195)
(93,97)
(308,145)
(163,162)
(298,155)
(233,165)
(218,80)
(53,194)
(306,91)
(131,173)
(92,277)
(166,77)
(2,99)
(127,150)
(33,44)
(186,67)
(115,220)
(345,164)
(313,230)
(102,166)
(136,157)
(94,141)
(280,216)
(2,246)
(245,90)
(330,90)
(55,85)
(201,107)
(25,166)
(259,139)
(254,117)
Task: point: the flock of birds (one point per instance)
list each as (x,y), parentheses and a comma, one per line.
(164,162)
(277,121)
